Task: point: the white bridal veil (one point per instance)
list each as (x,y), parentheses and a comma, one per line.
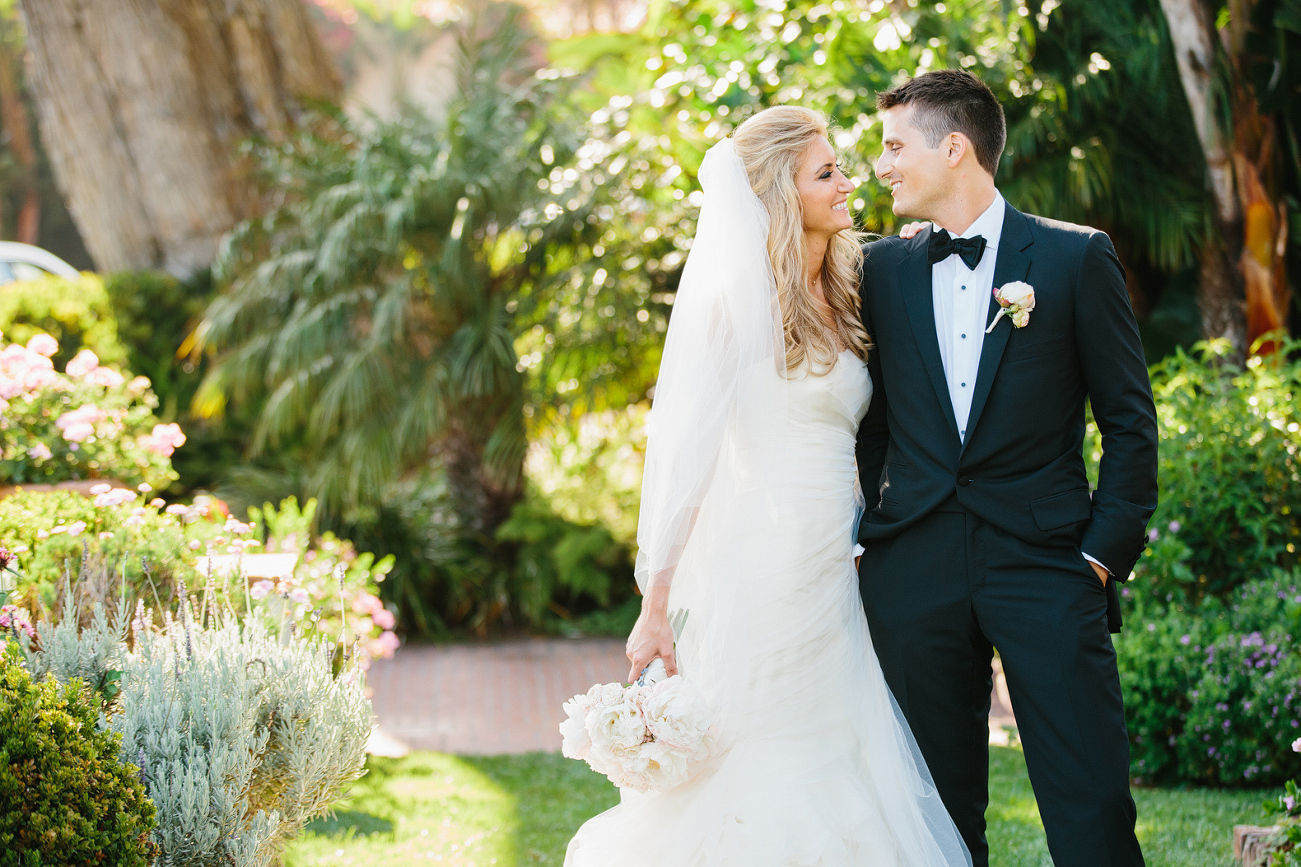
(726,322)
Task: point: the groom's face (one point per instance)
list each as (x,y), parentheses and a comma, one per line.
(917,174)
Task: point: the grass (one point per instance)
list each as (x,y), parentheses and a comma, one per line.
(514,811)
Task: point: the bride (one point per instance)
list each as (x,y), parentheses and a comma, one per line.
(749,507)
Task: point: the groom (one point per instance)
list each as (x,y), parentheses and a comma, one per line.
(981,531)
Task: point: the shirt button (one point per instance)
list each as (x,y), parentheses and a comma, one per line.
(964,385)
(964,337)
(964,288)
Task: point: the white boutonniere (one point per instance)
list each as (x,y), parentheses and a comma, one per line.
(1016,300)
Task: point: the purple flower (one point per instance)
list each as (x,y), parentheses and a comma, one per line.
(1175,526)
(1185,639)
(1153,535)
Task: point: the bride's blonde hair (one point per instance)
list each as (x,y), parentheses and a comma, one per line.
(770,145)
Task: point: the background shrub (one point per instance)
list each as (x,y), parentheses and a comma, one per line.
(75,312)
(115,544)
(65,798)
(1213,693)
(1230,472)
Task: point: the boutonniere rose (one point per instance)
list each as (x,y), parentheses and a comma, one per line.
(1016,299)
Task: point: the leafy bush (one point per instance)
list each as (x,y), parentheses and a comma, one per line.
(76,312)
(155,314)
(1213,694)
(88,422)
(1230,472)
(232,780)
(116,544)
(65,797)
(562,567)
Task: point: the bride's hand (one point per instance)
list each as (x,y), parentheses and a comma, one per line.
(652,636)
(911,230)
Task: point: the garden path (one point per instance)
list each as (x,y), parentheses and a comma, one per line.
(505,697)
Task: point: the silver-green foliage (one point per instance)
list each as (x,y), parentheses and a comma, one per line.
(241,736)
(93,653)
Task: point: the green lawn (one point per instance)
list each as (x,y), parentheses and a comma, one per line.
(519,810)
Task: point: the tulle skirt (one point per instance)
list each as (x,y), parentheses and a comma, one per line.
(815,766)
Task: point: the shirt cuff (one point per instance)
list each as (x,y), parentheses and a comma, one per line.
(858,551)
(1099,562)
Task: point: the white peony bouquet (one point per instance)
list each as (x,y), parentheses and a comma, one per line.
(646,736)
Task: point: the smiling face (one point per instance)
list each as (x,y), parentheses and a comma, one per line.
(824,190)
(919,176)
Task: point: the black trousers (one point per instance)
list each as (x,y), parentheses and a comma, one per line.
(939,598)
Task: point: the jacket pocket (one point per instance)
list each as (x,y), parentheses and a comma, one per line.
(1019,352)
(1062,509)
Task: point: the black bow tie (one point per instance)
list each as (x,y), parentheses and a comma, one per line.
(942,245)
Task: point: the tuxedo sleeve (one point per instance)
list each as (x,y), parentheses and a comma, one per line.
(873,433)
(1115,374)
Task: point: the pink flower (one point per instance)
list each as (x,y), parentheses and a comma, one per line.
(261,589)
(113,497)
(298,594)
(79,424)
(365,603)
(82,363)
(165,439)
(385,646)
(40,452)
(43,344)
(384,619)
(105,377)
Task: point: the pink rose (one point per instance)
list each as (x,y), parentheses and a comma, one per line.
(105,377)
(43,344)
(79,424)
(164,439)
(385,646)
(82,363)
(384,619)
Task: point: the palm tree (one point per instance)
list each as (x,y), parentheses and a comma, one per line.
(372,315)
(1238,65)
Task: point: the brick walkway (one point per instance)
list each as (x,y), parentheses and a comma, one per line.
(488,699)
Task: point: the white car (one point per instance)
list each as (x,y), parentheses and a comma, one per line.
(25,262)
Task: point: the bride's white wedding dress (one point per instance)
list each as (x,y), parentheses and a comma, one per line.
(814,766)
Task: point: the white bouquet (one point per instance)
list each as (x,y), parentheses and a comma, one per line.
(646,736)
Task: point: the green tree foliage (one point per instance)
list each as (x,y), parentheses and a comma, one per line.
(1085,86)
(65,798)
(376,311)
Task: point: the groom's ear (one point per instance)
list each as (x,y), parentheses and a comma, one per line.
(955,146)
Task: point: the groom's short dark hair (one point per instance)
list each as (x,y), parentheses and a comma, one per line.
(953,100)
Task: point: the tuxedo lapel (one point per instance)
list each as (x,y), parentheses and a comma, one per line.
(1012,264)
(915,282)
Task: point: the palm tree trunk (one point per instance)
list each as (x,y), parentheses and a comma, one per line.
(142,104)
(1221,291)
(13,117)
(482,498)
(1244,290)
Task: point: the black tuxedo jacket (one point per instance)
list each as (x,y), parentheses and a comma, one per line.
(1021,468)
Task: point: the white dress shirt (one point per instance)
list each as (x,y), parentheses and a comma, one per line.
(961,298)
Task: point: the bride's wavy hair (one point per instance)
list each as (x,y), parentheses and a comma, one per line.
(770,145)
